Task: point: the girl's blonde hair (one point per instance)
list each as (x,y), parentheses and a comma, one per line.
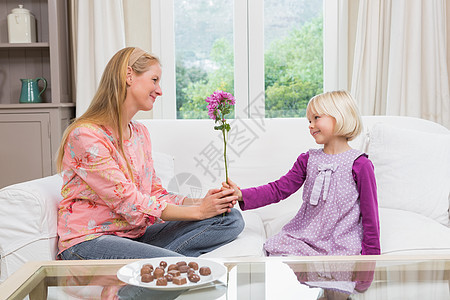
(341,106)
(107,105)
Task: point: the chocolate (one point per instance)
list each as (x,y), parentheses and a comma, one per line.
(193,265)
(146,270)
(169,277)
(181,263)
(205,271)
(149,266)
(183,269)
(174,273)
(159,272)
(147,278)
(194,277)
(180,280)
(161,281)
(163,264)
(172,267)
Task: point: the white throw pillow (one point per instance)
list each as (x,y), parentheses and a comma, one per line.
(412,170)
(164,167)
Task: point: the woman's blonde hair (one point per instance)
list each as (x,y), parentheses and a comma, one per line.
(107,105)
(341,106)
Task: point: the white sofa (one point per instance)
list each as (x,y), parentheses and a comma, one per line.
(411,158)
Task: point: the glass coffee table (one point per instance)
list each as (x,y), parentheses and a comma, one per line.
(349,277)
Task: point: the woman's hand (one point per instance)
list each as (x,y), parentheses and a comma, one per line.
(231,185)
(217,201)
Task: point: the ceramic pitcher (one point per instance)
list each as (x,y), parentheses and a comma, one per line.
(30,90)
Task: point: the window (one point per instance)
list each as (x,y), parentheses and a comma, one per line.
(204,55)
(269,54)
(293,55)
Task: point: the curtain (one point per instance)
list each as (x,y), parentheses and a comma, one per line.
(97,34)
(400,59)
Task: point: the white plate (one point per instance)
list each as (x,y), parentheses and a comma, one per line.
(131,273)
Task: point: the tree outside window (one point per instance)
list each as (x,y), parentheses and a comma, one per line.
(293,55)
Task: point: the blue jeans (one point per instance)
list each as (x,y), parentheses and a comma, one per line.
(172,238)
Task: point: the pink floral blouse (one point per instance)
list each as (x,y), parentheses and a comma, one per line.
(99,196)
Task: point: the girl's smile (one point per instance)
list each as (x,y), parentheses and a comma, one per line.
(321,126)
(314,133)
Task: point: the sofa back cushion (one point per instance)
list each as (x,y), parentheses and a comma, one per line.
(412,169)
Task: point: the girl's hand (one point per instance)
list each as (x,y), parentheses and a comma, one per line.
(217,201)
(231,185)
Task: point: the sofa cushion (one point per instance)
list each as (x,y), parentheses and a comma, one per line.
(404,233)
(275,216)
(412,170)
(248,243)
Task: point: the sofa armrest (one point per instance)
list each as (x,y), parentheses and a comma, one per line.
(29,213)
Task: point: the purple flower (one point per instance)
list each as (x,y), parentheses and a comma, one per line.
(219,104)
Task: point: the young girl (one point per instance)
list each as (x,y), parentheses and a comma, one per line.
(339,214)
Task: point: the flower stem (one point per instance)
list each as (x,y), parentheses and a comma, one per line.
(225,157)
(225,154)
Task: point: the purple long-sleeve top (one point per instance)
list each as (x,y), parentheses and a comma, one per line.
(363,174)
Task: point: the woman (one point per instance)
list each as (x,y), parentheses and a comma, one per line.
(114,205)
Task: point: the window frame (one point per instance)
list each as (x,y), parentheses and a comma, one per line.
(248,54)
